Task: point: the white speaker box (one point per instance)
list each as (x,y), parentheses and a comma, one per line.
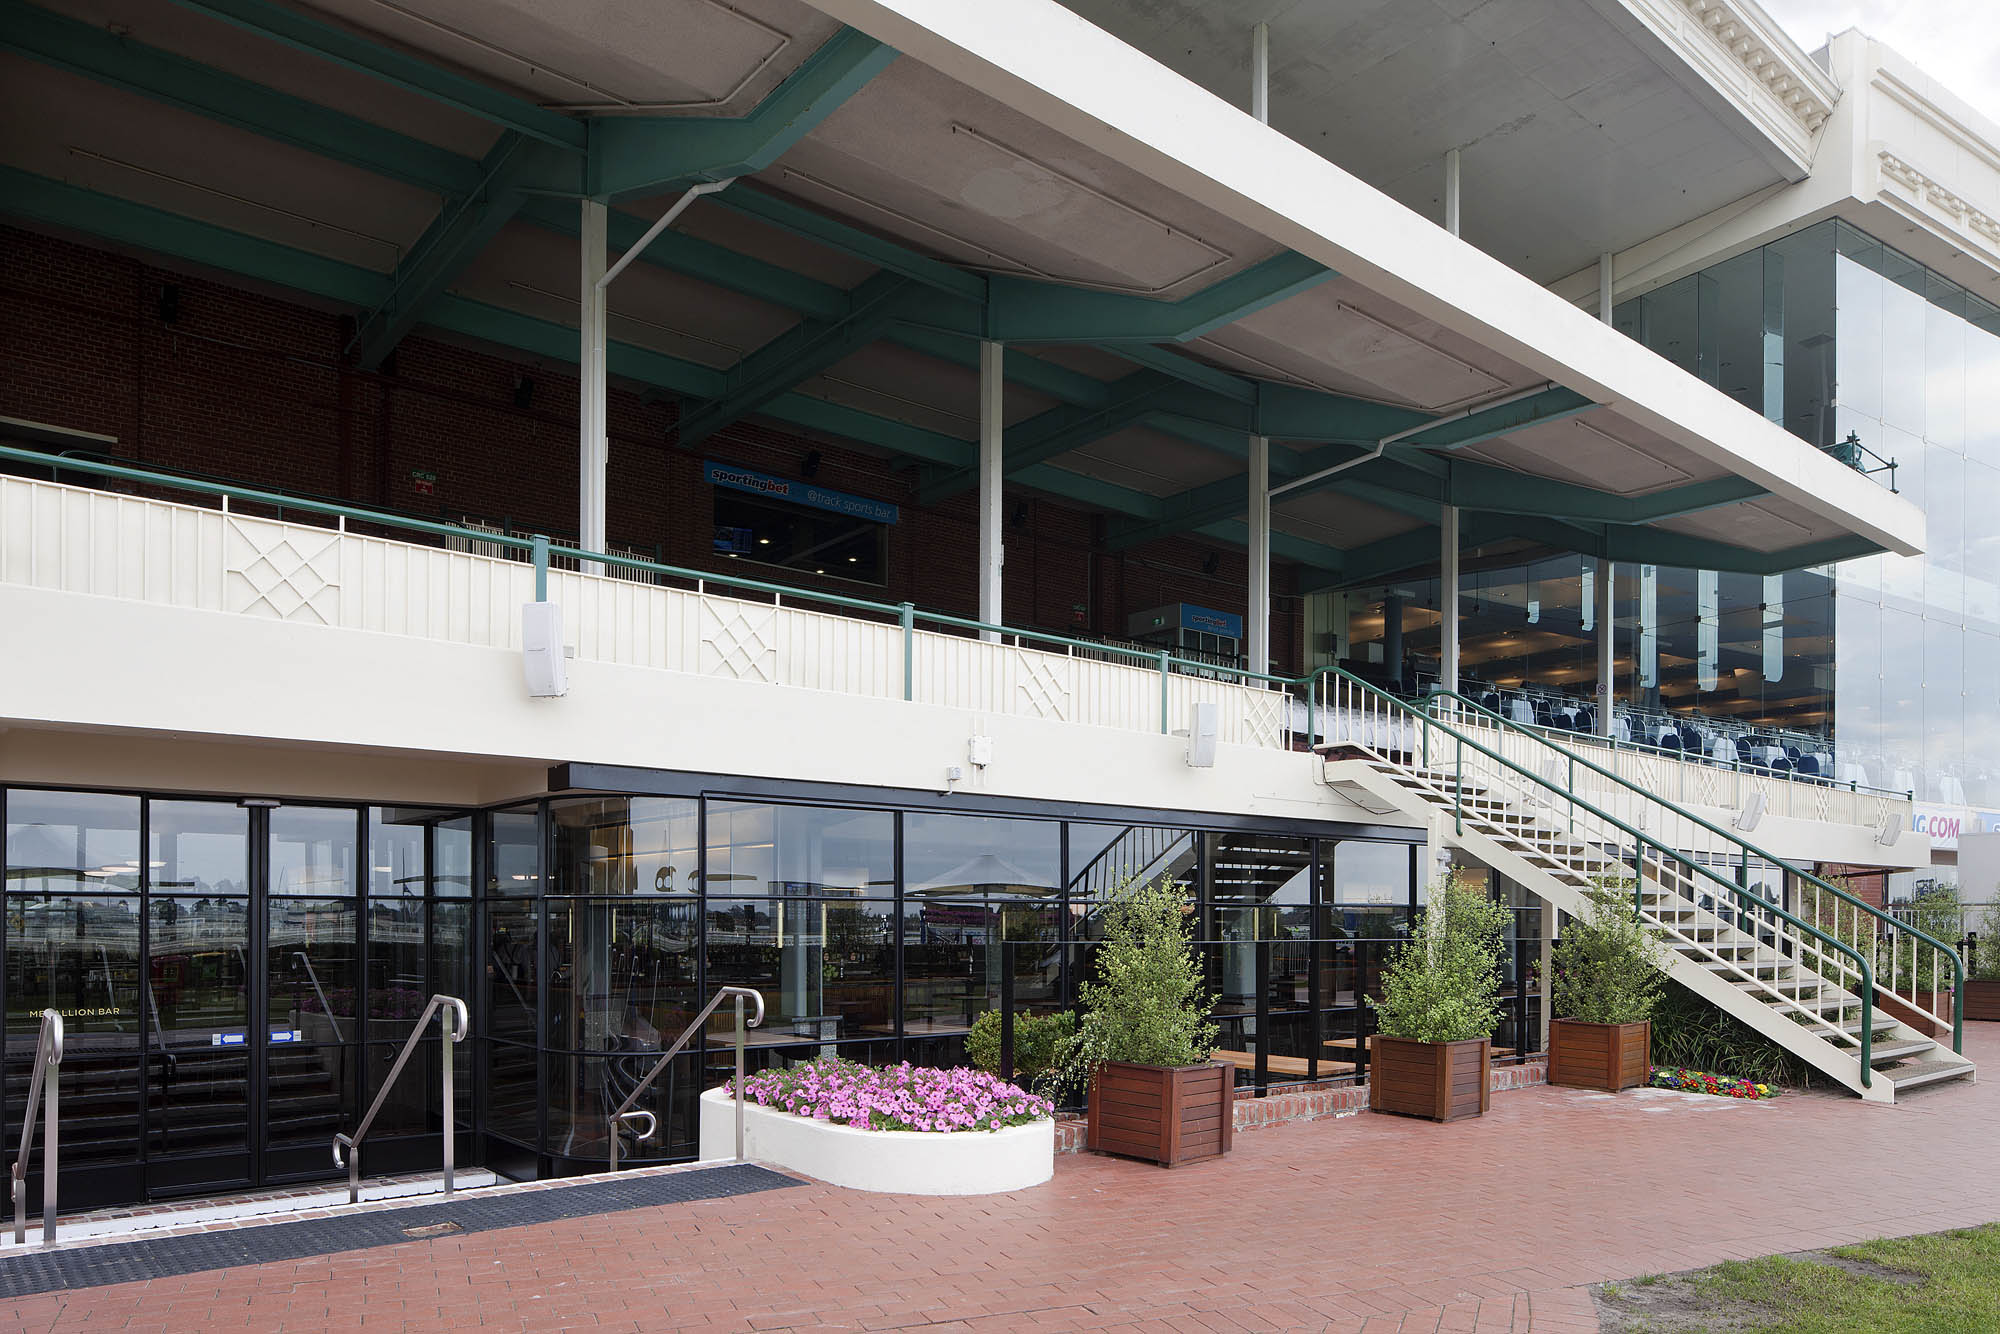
(1202,728)
(542,662)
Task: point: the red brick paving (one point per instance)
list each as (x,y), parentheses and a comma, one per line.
(1365,1223)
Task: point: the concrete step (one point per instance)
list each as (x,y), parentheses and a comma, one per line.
(1899,1049)
(1927,1072)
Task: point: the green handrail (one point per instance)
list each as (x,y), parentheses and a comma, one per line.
(1640,842)
(540,550)
(1747,848)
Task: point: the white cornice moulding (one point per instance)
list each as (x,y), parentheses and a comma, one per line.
(1798,85)
(1937,206)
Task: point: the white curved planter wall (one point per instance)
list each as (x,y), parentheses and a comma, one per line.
(966,1162)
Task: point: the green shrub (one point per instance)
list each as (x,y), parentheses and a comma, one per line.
(1443,983)
(1985,961)
(1690,1032)
(1038,1039)
(1607,964)
(1147,1003)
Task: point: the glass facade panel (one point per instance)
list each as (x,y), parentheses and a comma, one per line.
(1867,672)
(71,842)
(235,1021)
(1919,381)
(625,845)
(312,850)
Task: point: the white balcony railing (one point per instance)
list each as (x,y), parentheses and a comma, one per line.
(82,540)
(79,540)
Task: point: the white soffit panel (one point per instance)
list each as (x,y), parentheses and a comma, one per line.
(918,156)
(695,57)
(1047,63)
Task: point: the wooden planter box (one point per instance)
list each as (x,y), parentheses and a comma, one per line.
(1163,1114)
(1442,1081)
(1982,999)
(1599,1056)
(1904,1005)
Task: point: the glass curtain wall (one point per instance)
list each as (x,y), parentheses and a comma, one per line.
(1917,368)
(874,935)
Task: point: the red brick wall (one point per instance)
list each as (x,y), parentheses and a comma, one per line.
(248,387)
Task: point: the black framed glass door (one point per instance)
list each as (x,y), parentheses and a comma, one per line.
(234,979)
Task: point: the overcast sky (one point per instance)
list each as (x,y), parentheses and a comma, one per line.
(1956,42)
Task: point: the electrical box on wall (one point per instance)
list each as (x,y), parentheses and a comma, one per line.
(1204,725)
(542,662)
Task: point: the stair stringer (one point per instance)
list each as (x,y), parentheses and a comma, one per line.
(1717,989)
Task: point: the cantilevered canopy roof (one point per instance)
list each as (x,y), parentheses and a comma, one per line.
(912,176)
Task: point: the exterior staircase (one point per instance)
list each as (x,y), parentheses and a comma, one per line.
(1813,983)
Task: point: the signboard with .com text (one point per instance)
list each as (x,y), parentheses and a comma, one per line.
(798,493)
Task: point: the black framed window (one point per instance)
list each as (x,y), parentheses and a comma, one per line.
(798,537)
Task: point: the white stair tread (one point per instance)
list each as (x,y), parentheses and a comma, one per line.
(1926,1072)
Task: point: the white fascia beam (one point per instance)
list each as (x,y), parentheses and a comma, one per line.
(1047,63)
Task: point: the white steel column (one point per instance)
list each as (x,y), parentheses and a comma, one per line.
(1448,597)
(1257,625)
(1260,73)
(1607,577)
(593,449)
(992,473)
(1607,645)
(1451,191)
(1448,515)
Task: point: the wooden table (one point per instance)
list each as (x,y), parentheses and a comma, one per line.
(1283,1065)
(1347,1047)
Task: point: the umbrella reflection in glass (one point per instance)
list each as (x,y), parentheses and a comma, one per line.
(1001,885)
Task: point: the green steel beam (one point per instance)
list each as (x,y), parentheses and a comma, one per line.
(635,155)
(40,199)
(1024,310)
(120,62)
(1087,490)
(1051,434)
(915,442)
(356,52)
(1037,373)
(559,342)
(1552,404)
(1199,374)
(851,241)
(455,237)
(1286,546)
(795,356)
(1288,412)
(678,252)
(1694,498)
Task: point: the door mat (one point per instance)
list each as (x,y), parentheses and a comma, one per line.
(29,1272)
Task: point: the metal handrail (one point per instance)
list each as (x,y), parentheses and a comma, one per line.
(539,551)
(624,1110)
(455,1033)
(1641,841)
(1745,846)
(48,1061)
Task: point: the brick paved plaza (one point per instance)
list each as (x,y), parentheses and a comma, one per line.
(1363,1223)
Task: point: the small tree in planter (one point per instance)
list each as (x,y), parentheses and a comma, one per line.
(1608,978)
(1440,1004)
(1145,1040)
(1982,967)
